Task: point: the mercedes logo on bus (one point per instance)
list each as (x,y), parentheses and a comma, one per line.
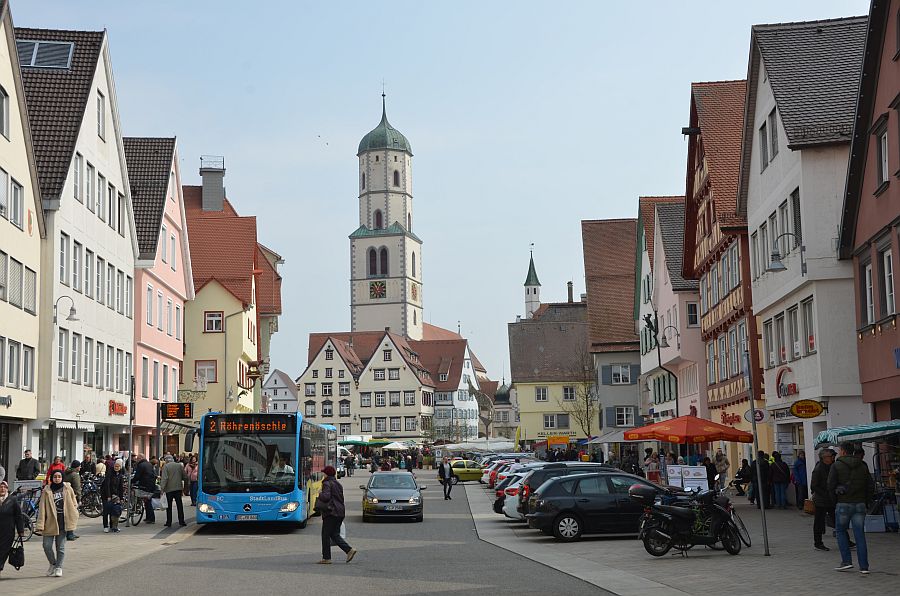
(247,506)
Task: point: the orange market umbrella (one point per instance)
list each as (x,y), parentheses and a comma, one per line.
(688,429)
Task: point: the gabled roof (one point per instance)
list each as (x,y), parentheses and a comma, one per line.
(285,380)
(670,219)
(57,99)
(551,348)
(442,357)
(609,249)
(430,332)
(647,215)
(193,201)
(268,285)
(149,163)
(879,17)
(360,346)
(814,69)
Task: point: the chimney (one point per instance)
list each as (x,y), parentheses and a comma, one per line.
(584,297)
(387,329)
(212,171)
(570,292)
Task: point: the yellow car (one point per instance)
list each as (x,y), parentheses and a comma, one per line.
(466,470)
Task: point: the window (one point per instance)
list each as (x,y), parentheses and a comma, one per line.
(75,361)
(540,394)
(780,339)
(327,390)
(212,322)
(62,360)
(725,273)
(703,300)
(754,251)
(735,252)
(773,134)
(394,374)
(159,310)
(155,380)
(693,315)
(145,377)
(344,389)
(310,409)
(793,333)
(129,299)
(101,115)
(365,400)
(4,112)
(310,390)
(882,155)
(733,366)
(120,220)
(413,264)
(206,370)
(395,398)
(365,425)
(169,315)
(380,425)
(101,196)
(87,375)
(4,190)
(98,366)
(177,322)
(64,259)
(624,416)
(395,423)
(373,262)
(17,205)
(327,409)
(88,273)
(568,393)
(12,363)
(172,253)
(379,399)
(621,374)
(120,361)
(723,357)
(769,344)
(379,374)
(328,373)
(315,374)
(442,377)
(27,368)
(764,248)
(379,220)
(886,287)
(120,292)
(713,285)
(868,297)
(111,195)
(409,423)
(362,181)
(98,285)
(809,325)
(784,245)
(89,187)
(108,367)
(396,178)
(387,355)
(344,429)
(77,167)
(797,219)
(329,354)
(15,283)
(383,258)
(409,398)
(163,237)
(344,407)
(110,280)
(763,147)
(711,363)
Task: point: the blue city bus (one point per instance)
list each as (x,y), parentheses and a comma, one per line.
(260,467)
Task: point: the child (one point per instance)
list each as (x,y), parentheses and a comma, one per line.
(115,511)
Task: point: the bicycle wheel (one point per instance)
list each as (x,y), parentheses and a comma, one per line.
(136,512)
(91,505)
(742,529)
(29,530)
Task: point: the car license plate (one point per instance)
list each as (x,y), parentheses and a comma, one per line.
(246,517)
(393,508)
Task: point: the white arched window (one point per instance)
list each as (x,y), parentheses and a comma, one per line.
(414,264)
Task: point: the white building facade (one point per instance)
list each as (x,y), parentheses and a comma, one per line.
(279,393)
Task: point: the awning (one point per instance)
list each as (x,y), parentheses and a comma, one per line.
(72,424)
(858,432)
(615,436)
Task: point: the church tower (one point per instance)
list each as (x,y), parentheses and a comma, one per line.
(532,290)
(385,254)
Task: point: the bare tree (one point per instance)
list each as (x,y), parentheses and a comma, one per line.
(582,407)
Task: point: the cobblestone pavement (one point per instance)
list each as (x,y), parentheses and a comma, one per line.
(622,566)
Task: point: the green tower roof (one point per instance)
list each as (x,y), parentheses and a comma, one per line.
(384,136)
(532,279)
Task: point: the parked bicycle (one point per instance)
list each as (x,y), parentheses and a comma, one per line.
(28,501)
(91,501)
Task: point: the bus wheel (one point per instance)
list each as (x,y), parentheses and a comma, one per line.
(301,525)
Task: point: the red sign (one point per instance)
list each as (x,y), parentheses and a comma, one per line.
(785,389)
(731,419)
(117,408)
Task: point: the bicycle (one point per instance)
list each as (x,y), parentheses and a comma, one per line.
(28,502)
(133,510)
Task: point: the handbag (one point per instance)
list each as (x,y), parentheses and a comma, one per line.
(809,507)
(17,554)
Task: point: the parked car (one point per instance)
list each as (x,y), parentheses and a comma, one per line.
(587,503)
(502,492)
(511,502)
(393,494)
(465,470)
(540,475)
(486,472)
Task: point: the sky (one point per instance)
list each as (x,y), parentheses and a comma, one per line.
(524,119)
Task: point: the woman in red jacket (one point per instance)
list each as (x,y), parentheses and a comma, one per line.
(56,465)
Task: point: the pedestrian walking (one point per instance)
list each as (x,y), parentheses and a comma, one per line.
(11,522)
(798,476)
(349,464)
(822,497)
(852,484)
(780,478)
(28,468)
(722,467)
(145,481)
(760,481)
(446,474)
(710,472)
(330,503)
(171,484)
(72,475)
(191,470)
(112,492)
(57,515)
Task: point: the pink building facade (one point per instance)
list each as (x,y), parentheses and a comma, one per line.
(163,283)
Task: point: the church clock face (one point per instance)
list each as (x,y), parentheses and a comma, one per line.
(414,291)
(377,289)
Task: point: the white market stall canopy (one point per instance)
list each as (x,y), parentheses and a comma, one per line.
(858,432)
(481,445)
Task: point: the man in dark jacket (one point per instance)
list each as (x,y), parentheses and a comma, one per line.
(145,480)
(88,466)
(852,484)
(821,496)
(28,468)
(445,475)
(330,504)
(761,485)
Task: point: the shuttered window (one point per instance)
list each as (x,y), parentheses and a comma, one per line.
(44,54)
(30,303)
(15,283)
(795,215)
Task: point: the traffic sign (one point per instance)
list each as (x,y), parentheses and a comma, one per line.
(177,411)
(761,415)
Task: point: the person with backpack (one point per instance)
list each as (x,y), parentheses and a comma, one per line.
(12,522)
(852,485)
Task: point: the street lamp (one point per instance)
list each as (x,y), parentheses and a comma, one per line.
(72,311)
(652,326)
(776,266)
(664,342)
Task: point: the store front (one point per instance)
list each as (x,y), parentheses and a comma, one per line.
(737,416)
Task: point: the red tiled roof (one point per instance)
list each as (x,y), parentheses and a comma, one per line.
(489,388)
(268,285)
(443,356)
(361,345)
(720,115)
(223,249)
(647,211)
(430,332)
(609,249)
(193,201)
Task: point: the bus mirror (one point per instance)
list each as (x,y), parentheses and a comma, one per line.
(189,441)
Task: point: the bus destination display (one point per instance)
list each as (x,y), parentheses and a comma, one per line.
(250,424)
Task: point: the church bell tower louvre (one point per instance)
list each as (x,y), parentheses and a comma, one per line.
(385,254)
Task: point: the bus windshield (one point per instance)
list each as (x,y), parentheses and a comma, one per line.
(249,463)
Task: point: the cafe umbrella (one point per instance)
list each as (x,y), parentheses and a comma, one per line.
(687,430)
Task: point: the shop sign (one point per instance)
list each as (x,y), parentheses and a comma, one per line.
(785,389)
(807,408)
(6,400)
(730,419)
(117,408)
(562,440)
(761,415)
(549,434)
